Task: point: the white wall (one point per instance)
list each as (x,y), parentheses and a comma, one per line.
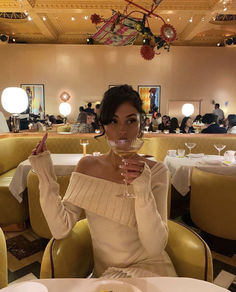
(85,71)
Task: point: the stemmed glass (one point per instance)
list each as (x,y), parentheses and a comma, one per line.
(84,143)
(219,147)
(125,149)
(190,146)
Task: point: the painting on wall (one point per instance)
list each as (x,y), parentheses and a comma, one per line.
(35,93)
(150,95)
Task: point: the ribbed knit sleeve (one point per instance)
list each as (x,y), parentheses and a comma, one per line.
(151,189)
(60,216)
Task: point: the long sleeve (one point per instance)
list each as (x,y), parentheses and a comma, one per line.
(151,208)
(60,215)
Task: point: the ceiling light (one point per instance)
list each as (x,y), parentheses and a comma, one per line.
(72,18)
(44,18)
(29,18)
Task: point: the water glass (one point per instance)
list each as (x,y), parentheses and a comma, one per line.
(181,153)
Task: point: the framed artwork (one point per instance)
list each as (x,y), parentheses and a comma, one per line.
(35,93)
(150,95)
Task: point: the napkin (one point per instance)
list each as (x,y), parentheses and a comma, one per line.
(195,155)
(211,162)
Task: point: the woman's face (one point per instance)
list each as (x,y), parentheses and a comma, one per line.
(125,123)
(189,123)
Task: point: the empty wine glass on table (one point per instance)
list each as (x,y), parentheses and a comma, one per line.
(84,143)
(190,146)
(126,149)
(219,147)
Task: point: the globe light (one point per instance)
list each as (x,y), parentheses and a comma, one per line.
(65,109)
(14,100)
(187,109)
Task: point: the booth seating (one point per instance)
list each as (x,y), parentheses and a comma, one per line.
(15,148)
(3,261)
(213,203)
(72,257)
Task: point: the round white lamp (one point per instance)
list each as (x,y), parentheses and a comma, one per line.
(65,109)
(15,101)
(187,109)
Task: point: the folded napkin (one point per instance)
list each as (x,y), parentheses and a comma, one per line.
(195,155)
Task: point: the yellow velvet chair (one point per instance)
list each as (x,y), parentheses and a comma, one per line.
(72,257)
(3,261)
(213,203)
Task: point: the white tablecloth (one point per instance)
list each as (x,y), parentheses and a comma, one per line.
(155,284)
(64,164)
(181,169)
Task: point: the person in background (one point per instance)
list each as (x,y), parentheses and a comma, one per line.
(89,108)
(154,121)
(82,126)
(96,112)
(210,120)
(231,124)
(198,119)
(148,125)
(136,230)
(47,121)
(90,120)
(59,119)
(174,125)
(52,119)
(219,113)
(165,125)
(187,125)
(159,119)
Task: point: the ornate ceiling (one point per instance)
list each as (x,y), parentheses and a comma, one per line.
(197,22)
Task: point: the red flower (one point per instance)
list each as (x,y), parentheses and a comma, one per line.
(95,18)
(147,52)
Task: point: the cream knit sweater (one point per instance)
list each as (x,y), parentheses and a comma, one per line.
(128,235)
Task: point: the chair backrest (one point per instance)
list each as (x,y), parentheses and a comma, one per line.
(3,261)
(73,257)
(213,203)
(189,253)
(3,124)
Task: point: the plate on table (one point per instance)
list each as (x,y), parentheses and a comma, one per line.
(26,287)
(111,285)
(64,133)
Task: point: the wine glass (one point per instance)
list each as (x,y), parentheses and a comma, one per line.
(190,146)
(126,148)
(84,143)
(219,147)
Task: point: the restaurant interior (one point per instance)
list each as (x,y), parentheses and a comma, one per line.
(58,56)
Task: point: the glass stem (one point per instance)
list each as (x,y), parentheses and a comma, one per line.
(126,189)
(84,150)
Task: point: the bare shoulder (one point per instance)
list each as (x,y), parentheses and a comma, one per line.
(88,165)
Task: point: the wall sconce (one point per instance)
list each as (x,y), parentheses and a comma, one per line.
(65,96)
(15,101)
(65,110)
(187,109)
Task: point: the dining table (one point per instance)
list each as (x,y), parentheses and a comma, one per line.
(150,284)
(181,168)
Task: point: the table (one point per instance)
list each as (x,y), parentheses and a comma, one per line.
(64,164)
(181,169)
(154,284)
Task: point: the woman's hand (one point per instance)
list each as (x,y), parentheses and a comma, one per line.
(131,169)
(41,146)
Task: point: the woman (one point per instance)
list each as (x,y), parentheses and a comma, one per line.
(232,124)
(174,125)
(128,235)
(187,125)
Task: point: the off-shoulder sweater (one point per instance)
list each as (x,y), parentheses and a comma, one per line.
(128,235)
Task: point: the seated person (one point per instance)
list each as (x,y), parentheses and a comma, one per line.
(198,119)
(165,125)
(187,125)
(82,126)
(211,125)
(174,125)
(59,120)
(148,125)
(232,124)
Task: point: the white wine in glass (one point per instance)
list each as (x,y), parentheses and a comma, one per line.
(219,147)
(84,143)
(126,149)
(190,146)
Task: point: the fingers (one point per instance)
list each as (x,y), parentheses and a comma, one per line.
(131,169)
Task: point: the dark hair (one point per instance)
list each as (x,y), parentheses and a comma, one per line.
(113,98)
(174,124)
(198,118)
(209,118)
(82,118)
(183,123)
(89,114)
(89,104)
(97,106)
(81,109)
(232,120)
(217,104)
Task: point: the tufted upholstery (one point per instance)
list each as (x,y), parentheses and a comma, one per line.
(213,203)
(72,256)
(3,261)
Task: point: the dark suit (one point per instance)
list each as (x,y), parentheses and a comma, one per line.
(214,129)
